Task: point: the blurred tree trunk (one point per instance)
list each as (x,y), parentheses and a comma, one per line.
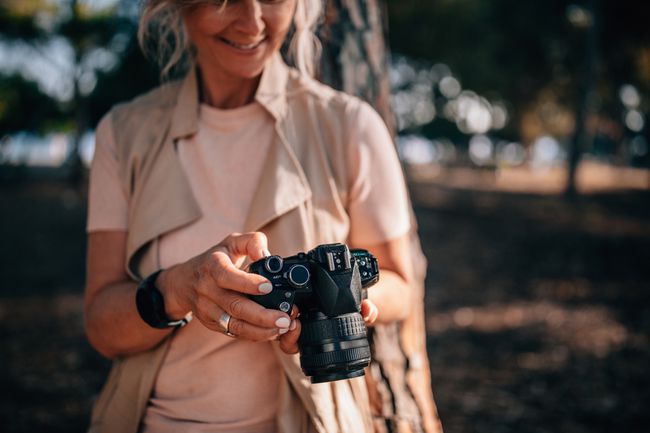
(76,172)
(355,58)
(581,136)
(80,111)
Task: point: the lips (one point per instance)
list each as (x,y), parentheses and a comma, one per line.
(242,46)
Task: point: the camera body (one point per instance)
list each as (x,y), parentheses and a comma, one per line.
(327,284)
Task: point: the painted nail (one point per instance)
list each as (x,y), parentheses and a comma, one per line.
(283,322)
(283,331)
(266,252)
(265,288)
(293,325)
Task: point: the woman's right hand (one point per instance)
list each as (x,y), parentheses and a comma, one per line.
(212,283)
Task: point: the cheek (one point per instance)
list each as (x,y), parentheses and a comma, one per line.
(280,20)
(280,28)
(201,22)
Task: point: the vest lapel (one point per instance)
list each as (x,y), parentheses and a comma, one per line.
(283,185)
(164,201)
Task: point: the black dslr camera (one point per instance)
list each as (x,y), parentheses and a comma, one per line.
(327,284)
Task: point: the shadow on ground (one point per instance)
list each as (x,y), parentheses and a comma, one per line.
(537,310)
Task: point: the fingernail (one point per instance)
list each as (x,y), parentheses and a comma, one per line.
(265,288)
(283,322)
(266,252)
(292,326)
(283,331)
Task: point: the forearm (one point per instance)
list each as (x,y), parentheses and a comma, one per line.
(113,325)
(392,296)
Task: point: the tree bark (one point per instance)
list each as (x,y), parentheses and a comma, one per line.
(354,57)
(355,60)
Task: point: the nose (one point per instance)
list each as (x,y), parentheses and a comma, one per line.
(249,17)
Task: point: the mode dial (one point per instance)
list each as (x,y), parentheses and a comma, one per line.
(273,264)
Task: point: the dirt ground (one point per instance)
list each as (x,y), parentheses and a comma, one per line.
(538,310)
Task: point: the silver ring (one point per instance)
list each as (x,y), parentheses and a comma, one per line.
(224,323)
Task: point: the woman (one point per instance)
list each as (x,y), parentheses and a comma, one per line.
(242,144)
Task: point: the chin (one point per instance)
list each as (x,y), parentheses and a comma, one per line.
(247,71)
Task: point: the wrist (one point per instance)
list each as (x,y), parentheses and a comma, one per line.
(167,283)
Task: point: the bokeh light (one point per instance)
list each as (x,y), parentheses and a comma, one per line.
(630,96)
(634,120)
(546,150)
(511,153)
(481,150)
(449,87)
(414,149)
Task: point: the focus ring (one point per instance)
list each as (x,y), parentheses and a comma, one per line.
(351,325)
(338,357)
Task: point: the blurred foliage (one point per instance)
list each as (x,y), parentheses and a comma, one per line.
(23,106)
(528,53)
(96,37)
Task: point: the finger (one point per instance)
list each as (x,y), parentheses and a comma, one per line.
(242,308)
(295,312)
(289,340)
(242,329)
(209,317)
(253,244)
(369,311)
(226,275)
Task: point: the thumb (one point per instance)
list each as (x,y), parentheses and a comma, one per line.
(253,245)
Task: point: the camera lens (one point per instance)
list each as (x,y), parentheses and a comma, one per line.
(333,348)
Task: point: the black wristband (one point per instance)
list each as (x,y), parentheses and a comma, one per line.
(151,305)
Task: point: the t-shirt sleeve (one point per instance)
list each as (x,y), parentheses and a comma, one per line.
(107,200)
(378,203)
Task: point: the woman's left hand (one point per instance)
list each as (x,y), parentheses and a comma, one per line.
(289,340)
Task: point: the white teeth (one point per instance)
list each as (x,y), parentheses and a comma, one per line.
(242,47)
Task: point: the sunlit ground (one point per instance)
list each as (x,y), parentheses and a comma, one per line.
(592,177)
(538,308)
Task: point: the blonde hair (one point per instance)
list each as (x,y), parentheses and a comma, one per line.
(163,38)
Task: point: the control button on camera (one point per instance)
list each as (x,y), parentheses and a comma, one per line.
(330,261)
(273,264)
(298,276)
(284,307)
(348,259)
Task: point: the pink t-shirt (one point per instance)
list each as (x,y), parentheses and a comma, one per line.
(210,382)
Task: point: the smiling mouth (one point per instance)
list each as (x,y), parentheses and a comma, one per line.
(251,46)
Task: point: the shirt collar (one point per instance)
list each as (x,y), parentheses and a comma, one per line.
(270,94)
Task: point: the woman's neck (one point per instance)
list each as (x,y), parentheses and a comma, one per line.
(227,92)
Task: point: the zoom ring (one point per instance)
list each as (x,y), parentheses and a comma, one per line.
(335,328)
(339,357)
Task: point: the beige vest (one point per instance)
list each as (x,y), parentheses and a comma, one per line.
(299,203)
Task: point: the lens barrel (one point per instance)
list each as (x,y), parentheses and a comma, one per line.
(333,348)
